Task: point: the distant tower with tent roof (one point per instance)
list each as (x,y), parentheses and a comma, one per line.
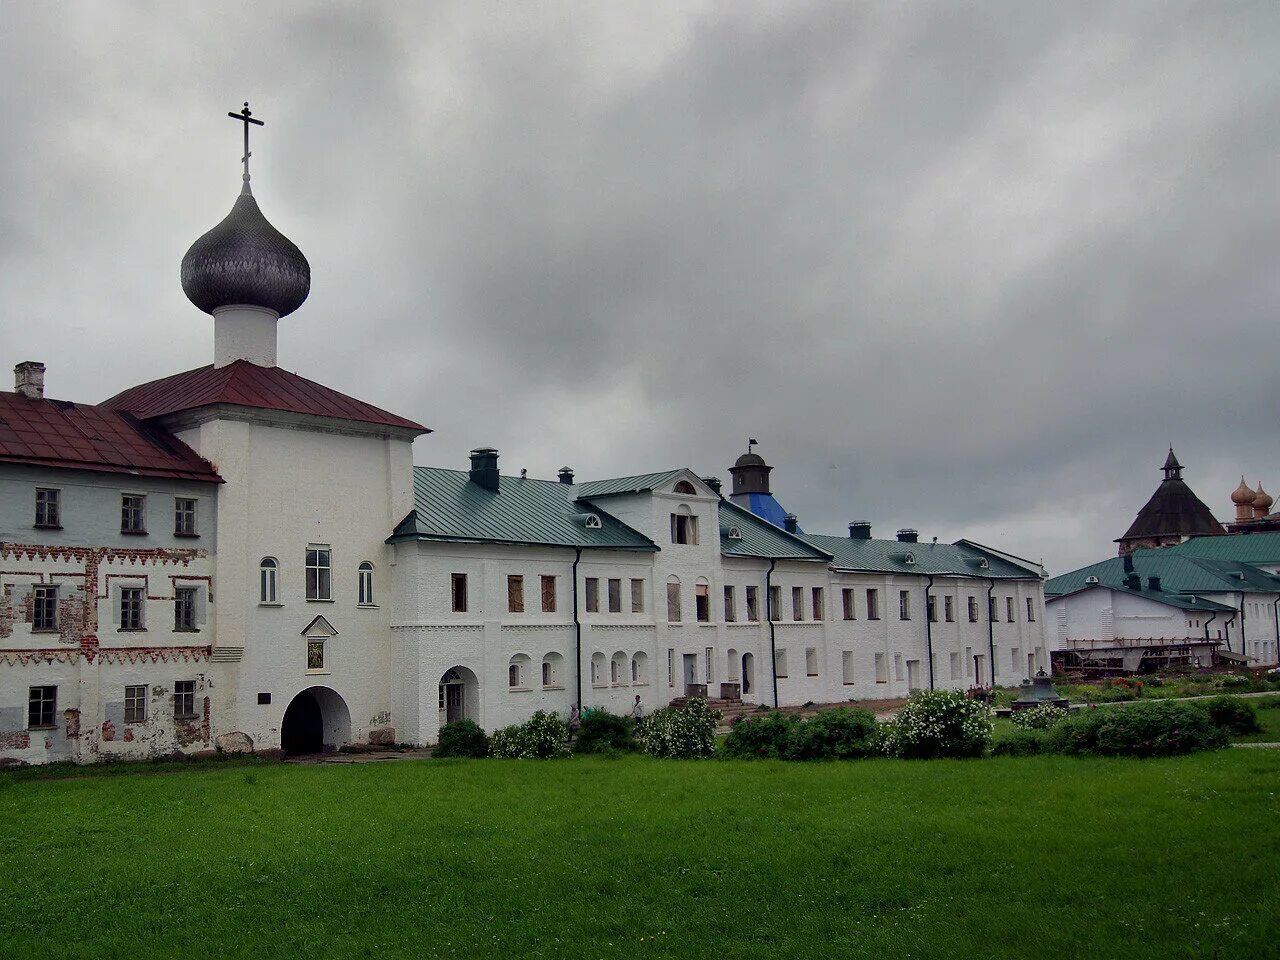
(751,489)
(1173,514)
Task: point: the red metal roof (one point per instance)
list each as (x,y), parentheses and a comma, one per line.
(246,384)
(79,436)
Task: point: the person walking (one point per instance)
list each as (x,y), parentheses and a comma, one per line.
(637,713)
(575,721)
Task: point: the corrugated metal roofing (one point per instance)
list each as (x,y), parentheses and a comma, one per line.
(1178,573)
(79,436)
(1259,547)
(761,539)
(1180,600)
(1173,510)
(890,556)
(637,484)
(448,506)
(246,384)
(767,507)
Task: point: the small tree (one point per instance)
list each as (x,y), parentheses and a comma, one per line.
(602,731)
(462,738)
(938,723)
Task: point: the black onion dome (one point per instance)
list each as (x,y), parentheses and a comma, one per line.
(245,260)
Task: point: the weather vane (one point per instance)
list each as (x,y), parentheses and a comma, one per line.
(245,116)
(751,442)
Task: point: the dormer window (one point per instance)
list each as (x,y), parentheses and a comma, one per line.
(735,533)
(593,522)
(984,563)
(910,558)
(684,527)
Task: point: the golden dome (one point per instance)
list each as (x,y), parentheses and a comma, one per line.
(1243,494)
(1262,500)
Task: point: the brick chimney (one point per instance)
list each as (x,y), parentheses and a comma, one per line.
(28,379)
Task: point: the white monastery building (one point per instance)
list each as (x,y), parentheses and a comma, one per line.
(238,558)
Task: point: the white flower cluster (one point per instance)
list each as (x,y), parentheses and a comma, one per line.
(682,732)
(938,723)
(541,737)
(1038,718)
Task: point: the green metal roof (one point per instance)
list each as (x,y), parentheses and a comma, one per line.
(1182,601)
(1178,573)
(448,506)
(1262,547)
(890,556)
(759,538)
(637,484)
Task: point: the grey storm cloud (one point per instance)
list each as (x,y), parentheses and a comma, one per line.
(967,268)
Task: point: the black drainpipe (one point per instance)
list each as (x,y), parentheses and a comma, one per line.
(1209,621)
(928,628)
(991,630)
(1243,649)
(1275,613)
(1227,630)
(577,626)
(773,643)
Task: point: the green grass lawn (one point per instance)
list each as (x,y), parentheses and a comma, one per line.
(1007,857)
(1268,718)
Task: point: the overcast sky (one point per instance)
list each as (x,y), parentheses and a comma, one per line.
(967,268)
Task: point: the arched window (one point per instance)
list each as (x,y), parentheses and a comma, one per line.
(684,486)
(552,670)
(267,571)
(618,669)
(518,672)
(640,668)
(597,669)
(366,582)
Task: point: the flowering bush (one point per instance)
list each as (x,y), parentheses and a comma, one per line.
(1038,718)
(541,737)
(462,738)
(681,732)
(938,723)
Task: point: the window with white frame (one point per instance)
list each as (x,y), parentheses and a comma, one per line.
(135,703)
(319,572)
(42,706)
(904,606)
(184,517)
(48,508)
(44,607)
(268,571)
(131,608)
(364,574)
(184,698)
(133,513)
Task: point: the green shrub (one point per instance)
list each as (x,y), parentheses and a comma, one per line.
(1231,714)
(1021,742)
(682,733)
(602,731)
(462,738)
(1038,718)
(1149,729)
(770,736)
(541,737)
(938,723)
(838,734)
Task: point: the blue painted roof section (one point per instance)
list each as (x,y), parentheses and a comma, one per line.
(766,507)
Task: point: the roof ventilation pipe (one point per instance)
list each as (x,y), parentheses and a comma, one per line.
(908,535)
(860,530)
(791,523)
(484,468)
(566,475)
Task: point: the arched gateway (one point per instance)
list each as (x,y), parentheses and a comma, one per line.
(316,721)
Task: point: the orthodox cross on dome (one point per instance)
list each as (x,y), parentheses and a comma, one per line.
(245,116)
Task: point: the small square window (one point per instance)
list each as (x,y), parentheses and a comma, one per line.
(42,706)
(48,508)
(135,703)
(133,513)
(44,607)
(264,699)
(184,699)
(184,517)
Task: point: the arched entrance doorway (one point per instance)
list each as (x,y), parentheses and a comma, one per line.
(459,696)
(748,674)
(316,721)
